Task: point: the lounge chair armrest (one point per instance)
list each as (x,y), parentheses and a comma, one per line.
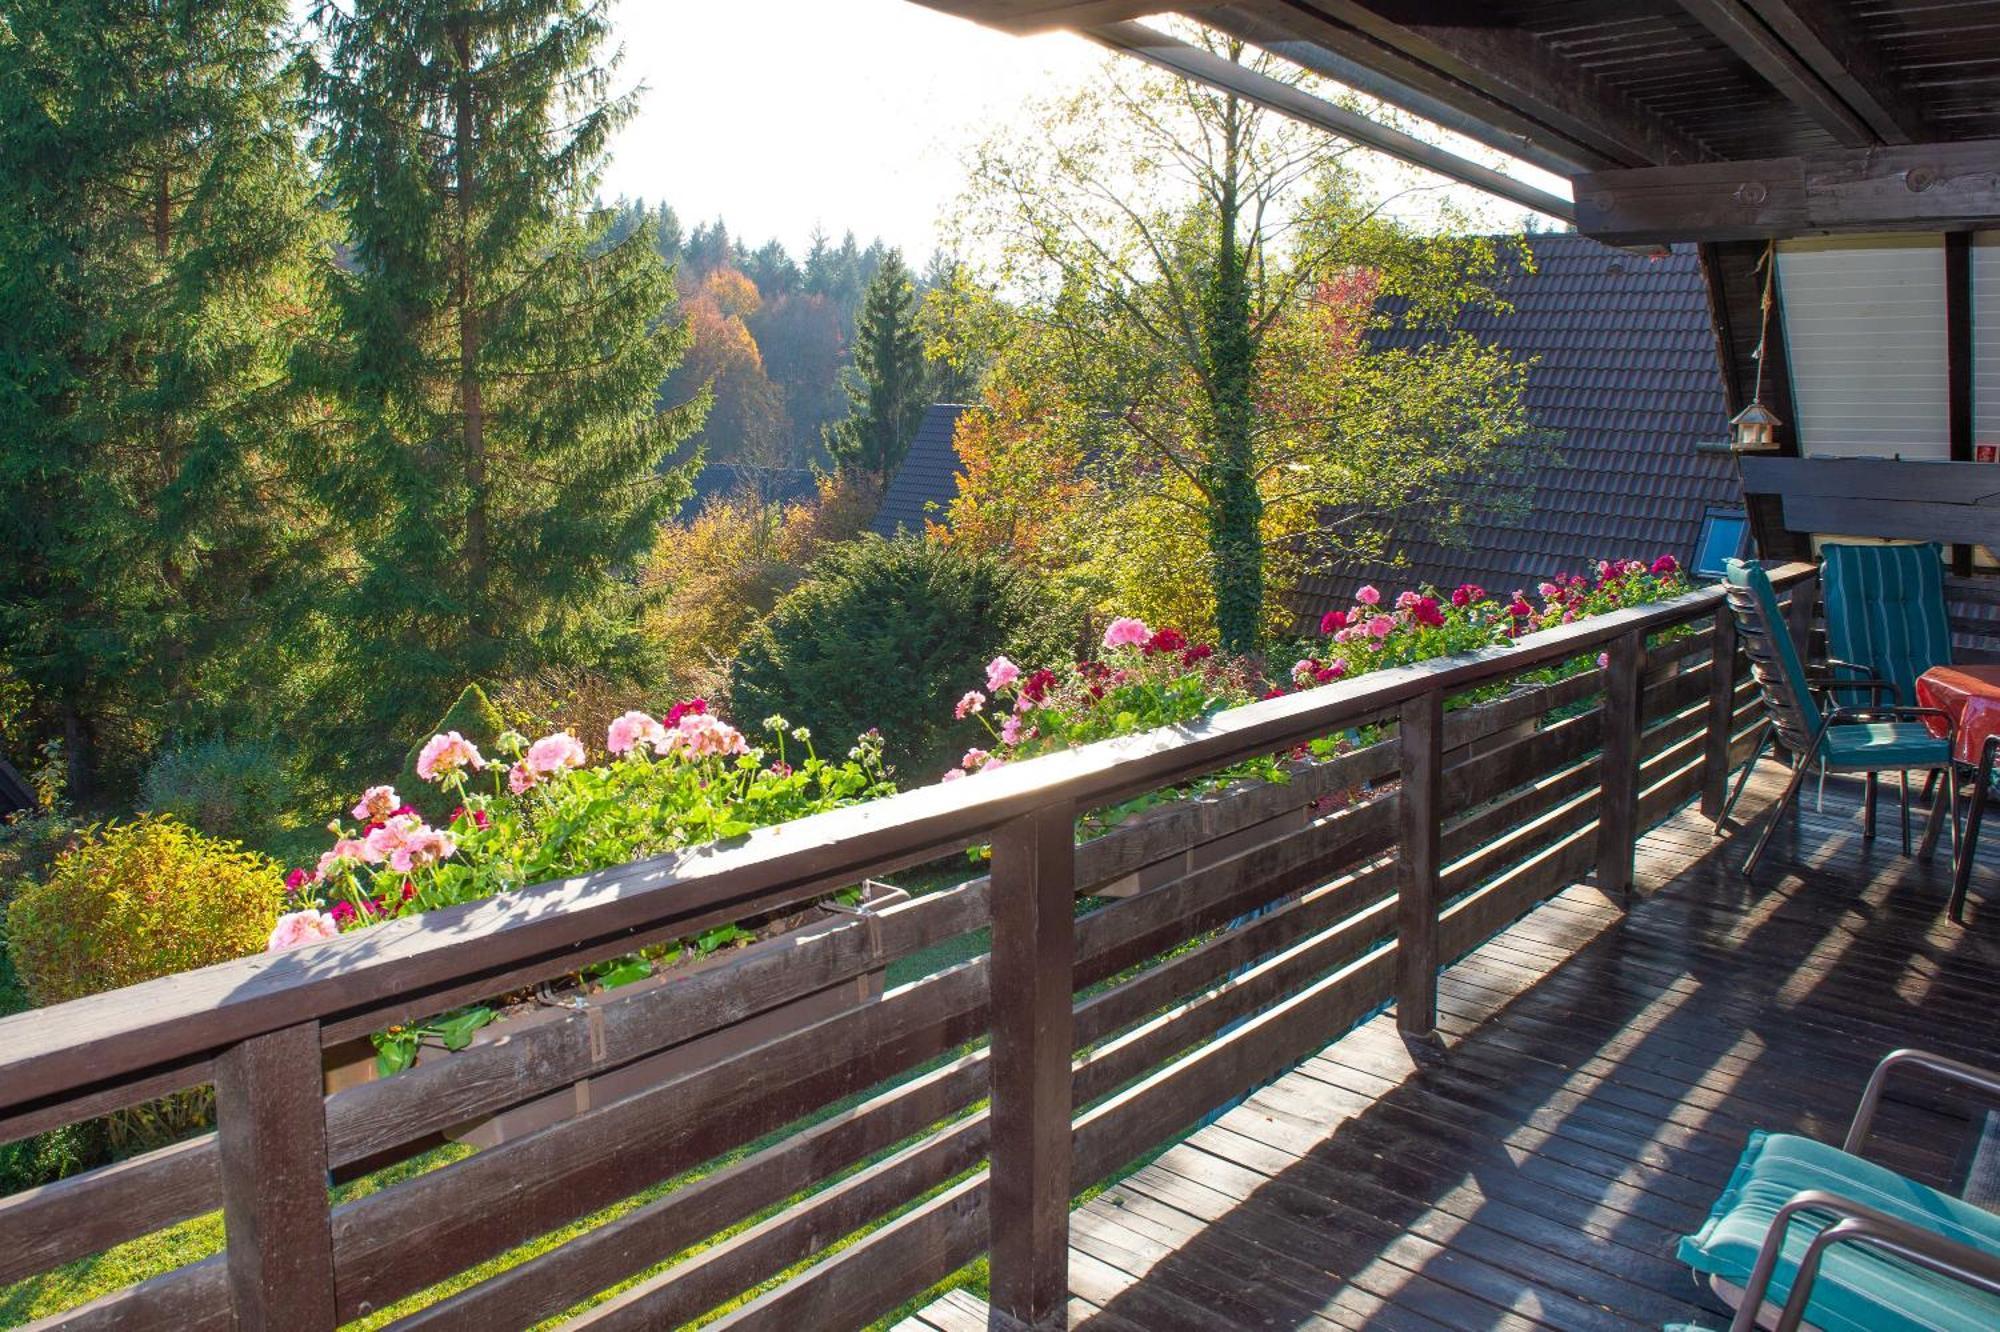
(1949,1070)
(1843,716)
(1853,1223)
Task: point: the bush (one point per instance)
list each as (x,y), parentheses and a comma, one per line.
(883,635)
(47,1157)
(473,716)
(719,573)
(132,901)
(224,788)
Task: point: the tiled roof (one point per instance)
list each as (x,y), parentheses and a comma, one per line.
(927,482)
(1625,382)
(776,485)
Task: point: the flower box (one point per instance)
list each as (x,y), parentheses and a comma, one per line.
(353,1062)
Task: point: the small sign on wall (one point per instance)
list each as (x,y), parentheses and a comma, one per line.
(1986,453)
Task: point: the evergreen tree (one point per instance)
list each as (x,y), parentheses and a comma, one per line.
(496,365)
(887,385)
(155,232)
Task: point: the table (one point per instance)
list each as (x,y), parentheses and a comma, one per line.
(1970,695)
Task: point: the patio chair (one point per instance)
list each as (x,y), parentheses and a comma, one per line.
(1866,740)
(1983,778)
(1885,616)
(1885,620)
(1806,1234)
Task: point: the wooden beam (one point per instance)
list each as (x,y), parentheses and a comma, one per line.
(1920,187)
(1512,66)
(1751,39)
(1843,57)
(1190,61)
(1618,807)
(1333,50)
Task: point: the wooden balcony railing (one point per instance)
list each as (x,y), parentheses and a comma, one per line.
(1112,1027)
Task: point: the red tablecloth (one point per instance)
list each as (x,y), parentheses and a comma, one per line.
(1971,694)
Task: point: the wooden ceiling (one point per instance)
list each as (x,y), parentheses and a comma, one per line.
(1656,100)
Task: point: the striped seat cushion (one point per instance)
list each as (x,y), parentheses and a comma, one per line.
(1885,610)
(1859,1290)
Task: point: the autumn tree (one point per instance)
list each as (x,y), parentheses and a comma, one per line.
(495,364)
(1191,282)
(156,237)
(746,419)
(887,388)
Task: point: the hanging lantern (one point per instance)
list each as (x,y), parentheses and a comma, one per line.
(1754,429)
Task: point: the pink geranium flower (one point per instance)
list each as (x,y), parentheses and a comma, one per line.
(1665,565)
(301,927)
(632,730)
(445,754)
(974,760)
(553,753)
(377,803)
(700,735)
(1368,596)
(1382,626)
(1332,621)
(1126,632)
(1010,729)
(1000,673)
(952,775)
(521,778)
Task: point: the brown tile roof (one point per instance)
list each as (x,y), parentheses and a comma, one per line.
(1625,381)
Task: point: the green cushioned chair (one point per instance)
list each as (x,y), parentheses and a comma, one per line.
(1807,1235)
(1867,740)
(1885,615)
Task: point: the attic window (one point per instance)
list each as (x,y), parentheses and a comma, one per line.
(1725,535)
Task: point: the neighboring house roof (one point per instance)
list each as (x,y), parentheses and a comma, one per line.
(926,482)
(1626,384)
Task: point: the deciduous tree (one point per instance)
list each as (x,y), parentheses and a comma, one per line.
(1188,282)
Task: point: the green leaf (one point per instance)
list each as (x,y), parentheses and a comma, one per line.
(456,1030)
(394,1053)
(625,972)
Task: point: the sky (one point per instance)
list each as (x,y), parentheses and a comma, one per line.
(781,115)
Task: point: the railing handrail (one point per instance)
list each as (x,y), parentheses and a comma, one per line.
(106,1038)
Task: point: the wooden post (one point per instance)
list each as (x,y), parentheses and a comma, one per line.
(1721,715)
(271,1127)
(1618,810)
(1420,732)
(1034,946)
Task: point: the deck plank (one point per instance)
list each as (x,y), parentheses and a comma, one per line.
(1599,1073)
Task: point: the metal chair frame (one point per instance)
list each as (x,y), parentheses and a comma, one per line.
(1856,1224)
(1771,663)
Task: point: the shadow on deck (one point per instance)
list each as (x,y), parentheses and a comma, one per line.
(1598,1076)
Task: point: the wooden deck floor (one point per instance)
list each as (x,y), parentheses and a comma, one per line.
(1599,1074)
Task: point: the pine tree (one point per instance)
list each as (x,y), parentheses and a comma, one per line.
(155,236)
(887,385)
(496,365)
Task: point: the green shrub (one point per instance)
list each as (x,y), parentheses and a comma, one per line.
(472,716)
(132,901)
(47,1157)
(885,634)
(225,788)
